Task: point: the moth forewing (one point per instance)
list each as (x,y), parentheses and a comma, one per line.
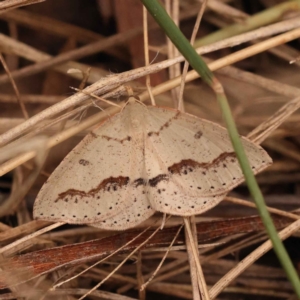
(141,160)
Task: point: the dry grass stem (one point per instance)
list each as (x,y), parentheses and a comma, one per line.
(113,81)
(268,126)
(21,103)
(76,99)
(120,264)
(11,4)
(227,10)
(250,259)
(54,140)
(143,286)
(186,64)
(118,51)
(270,209)
(4,249)
(146,50)
(100,261)
(194,256)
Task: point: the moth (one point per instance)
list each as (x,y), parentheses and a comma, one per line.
(142,160)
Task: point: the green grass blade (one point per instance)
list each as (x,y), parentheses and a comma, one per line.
(183,45)
(263,18)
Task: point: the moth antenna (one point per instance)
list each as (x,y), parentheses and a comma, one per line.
(96,97)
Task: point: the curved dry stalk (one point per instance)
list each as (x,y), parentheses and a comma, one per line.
(12,4)
(250,259)
(172,8)
(270,209)
(120,264)
(146,51)
(195,256)
(186,64)
(15,88)
(17,194)
(53,141)
(260,133)
(75,99)
(74,54)
(228,60)
(162,261)
(166,267)
(100,261)
(30,236)
(140,277)
(111,82)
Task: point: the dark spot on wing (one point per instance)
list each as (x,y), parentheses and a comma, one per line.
(84,162)
(198,134)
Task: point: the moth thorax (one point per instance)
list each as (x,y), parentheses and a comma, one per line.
(135,123)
